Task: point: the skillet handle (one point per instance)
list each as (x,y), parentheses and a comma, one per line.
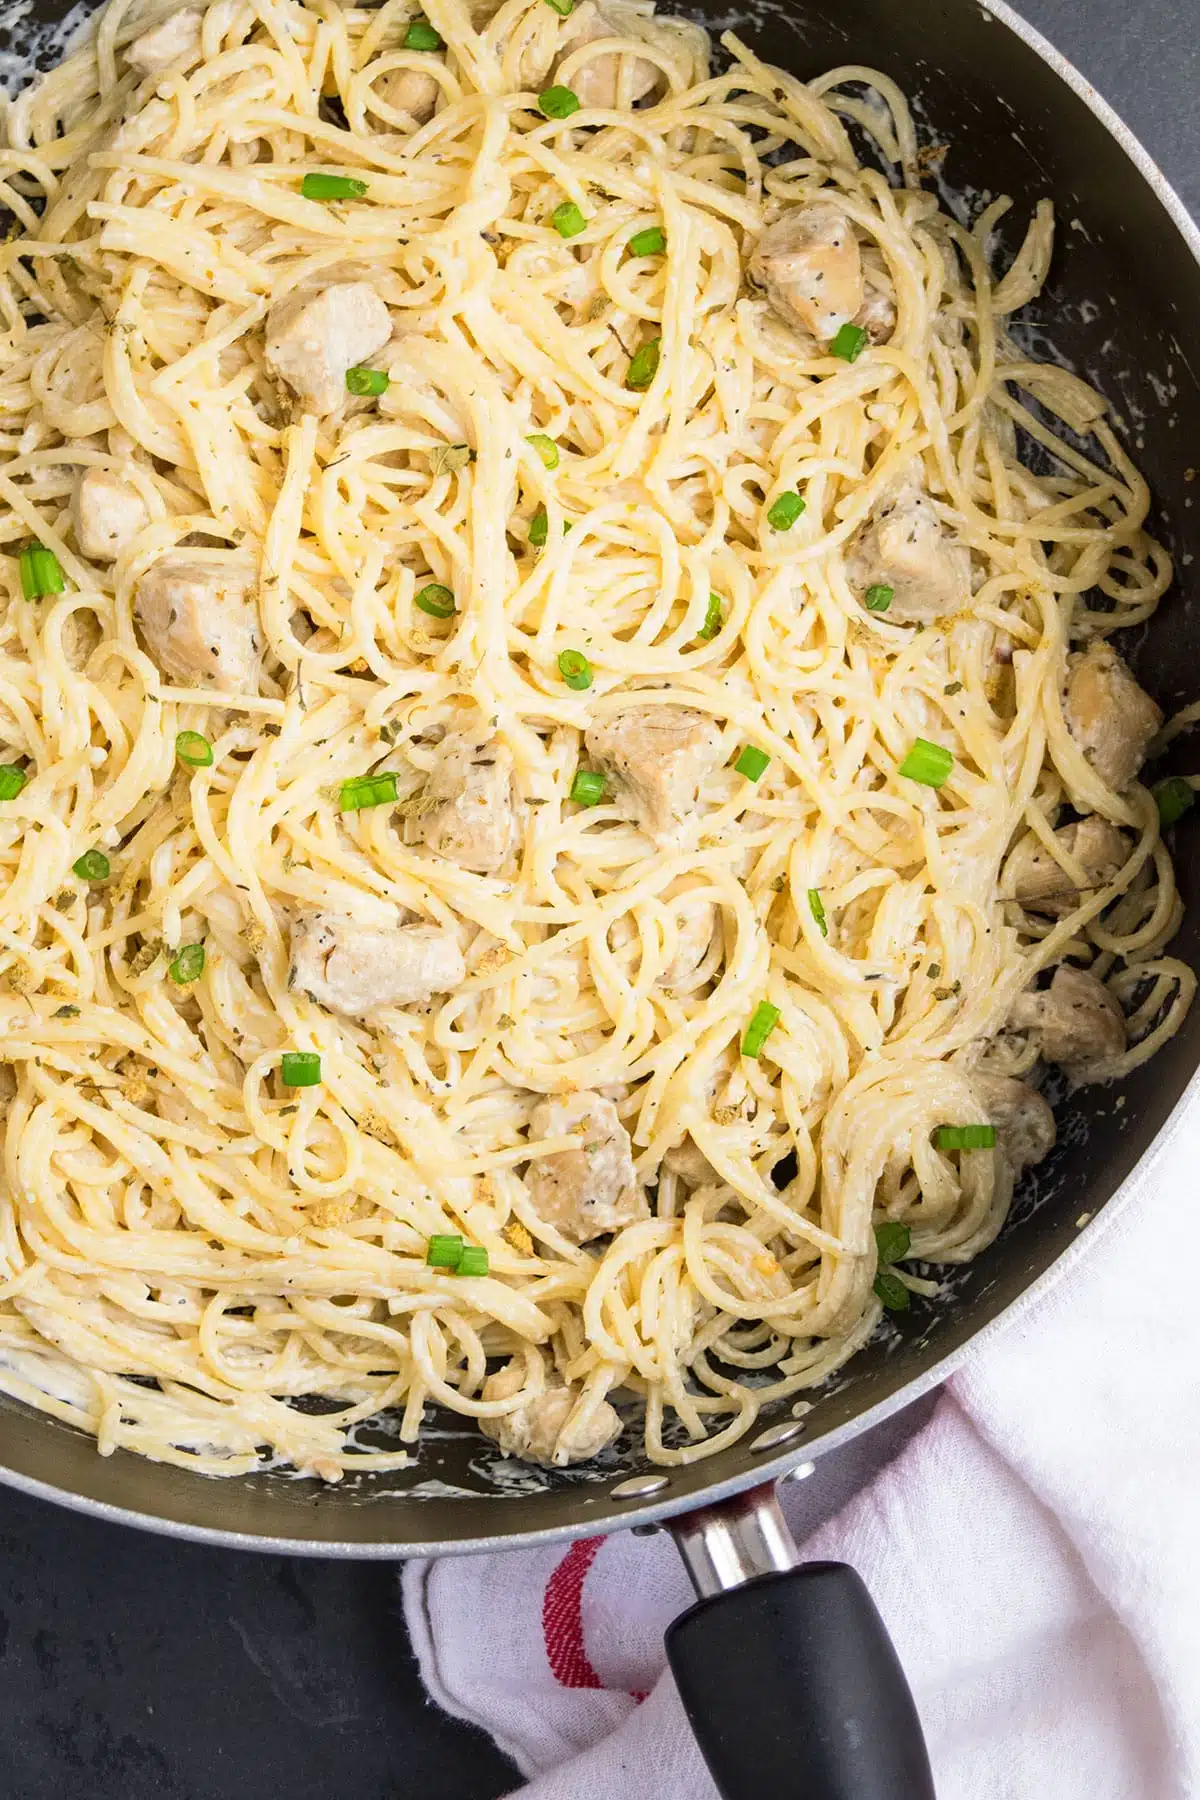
(786,1671)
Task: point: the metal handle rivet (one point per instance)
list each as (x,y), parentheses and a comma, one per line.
(774,1435)
(639,1487)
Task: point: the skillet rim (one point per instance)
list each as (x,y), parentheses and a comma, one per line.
(655,1514)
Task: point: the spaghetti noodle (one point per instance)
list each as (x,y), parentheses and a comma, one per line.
(604,479)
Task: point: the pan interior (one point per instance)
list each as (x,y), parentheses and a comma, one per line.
(1123,291)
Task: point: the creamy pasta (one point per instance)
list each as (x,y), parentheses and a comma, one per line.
(562,759)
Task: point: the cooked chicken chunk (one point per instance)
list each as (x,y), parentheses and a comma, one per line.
(474,825)
(410,91)
(315,335)
(597,80)
(585,1192)
(1025,1128)
(877,315)
(657,756)
(534,1431)
(903,545)
(688,1161)
(1076,1019)
(200,623)
(810,265)
(697,920)
(1110,717)
(170,42)
(356,969)
(1043,885)
(109,513)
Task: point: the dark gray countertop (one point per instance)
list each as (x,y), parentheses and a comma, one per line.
(135,1668)
(1145,61)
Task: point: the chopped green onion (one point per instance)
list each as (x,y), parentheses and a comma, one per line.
(892,1241)
(752,763)
(713,618)
(188,965)
(194,749)
(93,865)
(644,365)
(444,1250)
(785,511)
(538,528)
(301,1068)
(817,909)
(564,8)
(362,791)
(927,763)
(879,597)
(436,600)
(651,242)
(27,569)
(588,787)
(575,669)
(762,1024)
(473,1261)
(421,36)
(1173,797)
(12,780)
(41,572)
(332,187)
(891,1290)
(558,102)
(50,574)
(567,220)
(850,342)
(546,448)
(363,382)
(965,1137)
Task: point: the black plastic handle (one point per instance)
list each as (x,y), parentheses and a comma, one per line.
(794,1691)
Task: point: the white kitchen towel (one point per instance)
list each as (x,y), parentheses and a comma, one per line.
(1035,1551)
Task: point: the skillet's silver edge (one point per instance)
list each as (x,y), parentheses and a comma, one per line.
(801,1452)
